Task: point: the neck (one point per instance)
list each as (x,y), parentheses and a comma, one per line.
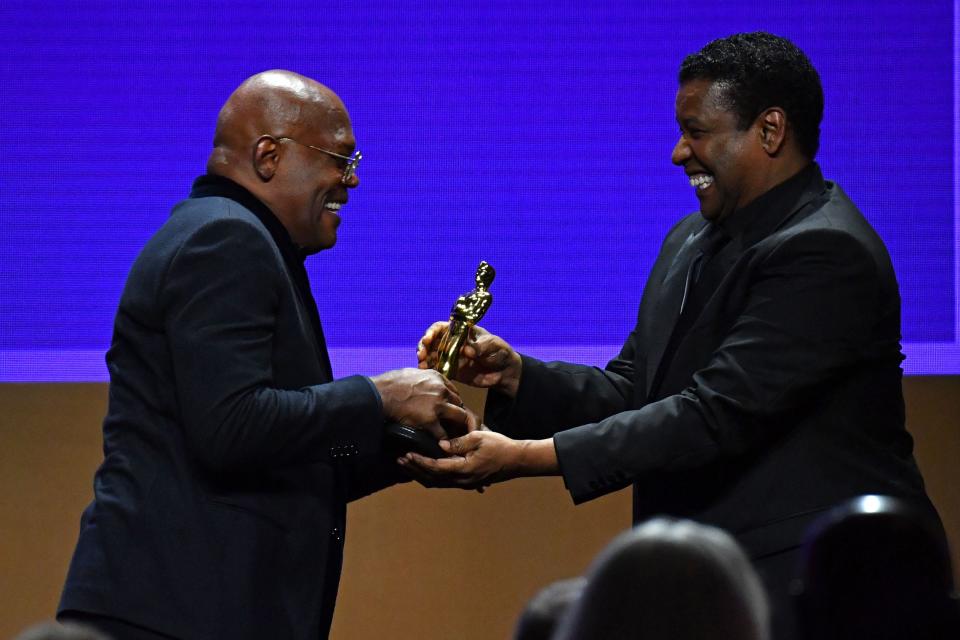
(785,167)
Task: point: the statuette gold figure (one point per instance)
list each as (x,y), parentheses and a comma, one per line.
(467,311)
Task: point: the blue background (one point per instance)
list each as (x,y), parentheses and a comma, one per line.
(534,135)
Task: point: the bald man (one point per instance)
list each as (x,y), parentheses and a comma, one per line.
(230,451)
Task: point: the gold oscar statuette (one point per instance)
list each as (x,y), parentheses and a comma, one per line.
(467,311)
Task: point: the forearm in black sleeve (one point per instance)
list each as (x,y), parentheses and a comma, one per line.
(553,396)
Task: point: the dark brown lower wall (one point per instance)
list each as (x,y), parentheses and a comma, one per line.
(419,563)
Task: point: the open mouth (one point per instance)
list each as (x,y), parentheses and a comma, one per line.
(332,206)
(701,181)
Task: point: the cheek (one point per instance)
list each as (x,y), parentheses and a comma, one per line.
(710,154)
(727,157)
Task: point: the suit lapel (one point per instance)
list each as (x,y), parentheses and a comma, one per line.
(671,292)
(668,305)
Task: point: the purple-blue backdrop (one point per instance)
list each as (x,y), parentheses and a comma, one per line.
(535,135)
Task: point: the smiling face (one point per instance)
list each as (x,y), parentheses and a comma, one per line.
(727,166)
(308,182)
(263,141)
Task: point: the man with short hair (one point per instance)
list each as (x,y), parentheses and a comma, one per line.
(762,382)
(230,451)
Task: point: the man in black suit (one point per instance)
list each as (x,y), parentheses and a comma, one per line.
(230,451)
(762,381)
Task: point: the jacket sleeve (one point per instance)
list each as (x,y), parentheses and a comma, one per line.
(808,314)
(554,396)
(220,294)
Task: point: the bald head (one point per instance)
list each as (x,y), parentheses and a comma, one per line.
(286,138)
(276,102)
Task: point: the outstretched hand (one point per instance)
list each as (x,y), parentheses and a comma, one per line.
(476,460)
(480,458)
(486,360)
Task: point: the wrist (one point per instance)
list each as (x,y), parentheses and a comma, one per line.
(536,458)
(376,394)
(379,385)
(384,386)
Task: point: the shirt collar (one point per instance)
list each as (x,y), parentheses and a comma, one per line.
(761,217)
(212,185)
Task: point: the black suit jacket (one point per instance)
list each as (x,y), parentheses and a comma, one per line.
(229,451)
(782,397)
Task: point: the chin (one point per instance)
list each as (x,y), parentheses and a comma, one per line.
(317,246)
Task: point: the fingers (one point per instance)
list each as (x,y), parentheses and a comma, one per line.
(457,415)
(474,423)
(434,428)
(423,355)
(454,397)
(476,331)
(449,393)
(414,396)
(437,331)
(495,354)
(439,472)
(469,348)
(432,480)
(491,352)
(463,445)
(458,470)
(425,478)
(447,409)
(426,344)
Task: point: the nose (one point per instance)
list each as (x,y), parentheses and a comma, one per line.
(353,182)
(681,152)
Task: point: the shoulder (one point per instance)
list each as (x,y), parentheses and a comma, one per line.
(833,223)
(688,224)
(206,238)
(211,221)
(195,214)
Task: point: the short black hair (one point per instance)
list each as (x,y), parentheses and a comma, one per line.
(760,70)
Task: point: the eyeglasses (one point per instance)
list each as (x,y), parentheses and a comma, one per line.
(352,161)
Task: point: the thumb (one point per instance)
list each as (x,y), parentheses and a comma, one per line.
(463,445)
(495,356)
(473,422)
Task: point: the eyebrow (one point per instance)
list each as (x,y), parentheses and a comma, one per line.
(686,122)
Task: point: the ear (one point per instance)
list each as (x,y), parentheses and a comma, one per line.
(773,129)
(266,157)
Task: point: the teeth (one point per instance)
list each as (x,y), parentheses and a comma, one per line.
(701,181)
(333,206)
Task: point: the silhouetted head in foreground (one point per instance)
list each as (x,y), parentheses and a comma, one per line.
(879,568)
(675,580)
(543,613)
